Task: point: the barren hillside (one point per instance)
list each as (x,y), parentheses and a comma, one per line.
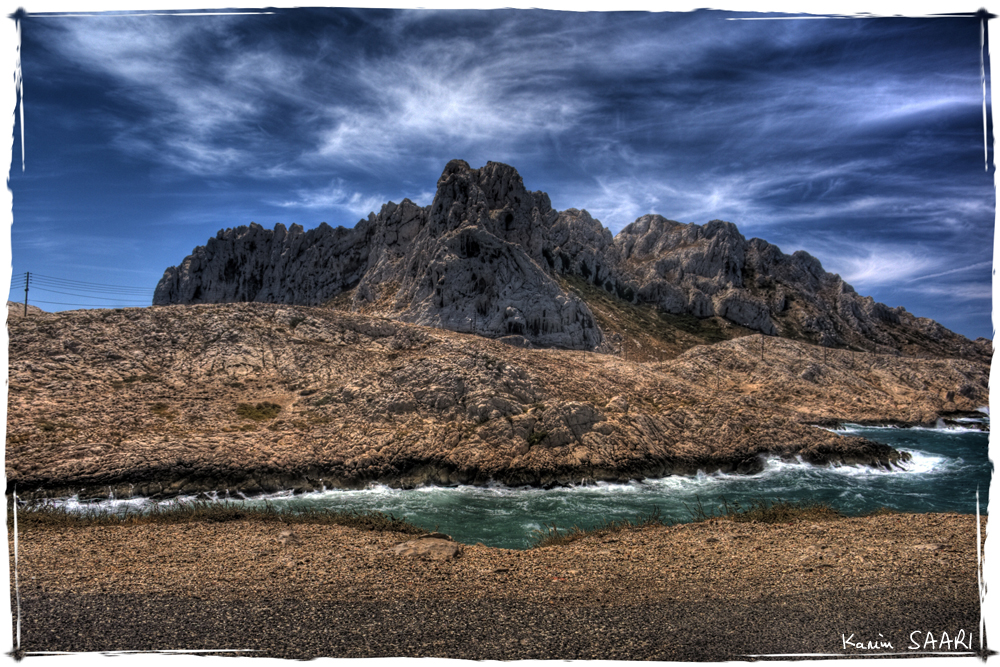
(258,397)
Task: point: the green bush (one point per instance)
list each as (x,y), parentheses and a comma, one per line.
(162,410)
(536,437)
(763,511)
(46,425)
(259,412)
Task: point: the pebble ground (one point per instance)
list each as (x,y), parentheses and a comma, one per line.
(715,590)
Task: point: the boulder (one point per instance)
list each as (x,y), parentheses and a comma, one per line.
(429,547)
(288,537)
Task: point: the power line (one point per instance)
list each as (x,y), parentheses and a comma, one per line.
(80,282)
(83,286)
(88,305)
(92,290)
(104,294)
(84,292)
(45,289)
(86,288)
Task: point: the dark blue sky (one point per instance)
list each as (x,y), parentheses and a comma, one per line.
(858,140)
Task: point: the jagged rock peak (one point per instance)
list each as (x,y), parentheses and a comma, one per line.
(469,262)
(499,183)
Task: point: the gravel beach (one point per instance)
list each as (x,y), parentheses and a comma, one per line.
(714,590)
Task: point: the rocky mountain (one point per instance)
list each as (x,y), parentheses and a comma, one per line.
(490,257)
(258,397)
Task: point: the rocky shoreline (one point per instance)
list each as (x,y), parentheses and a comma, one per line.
(943,422)
(484,338)
(245,483)
(242,482)
(259,398)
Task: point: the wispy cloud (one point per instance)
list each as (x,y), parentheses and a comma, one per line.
(959,292)
(884,265)
(335,196)
(961,269)
(872,267)
(444,93)
(192,106)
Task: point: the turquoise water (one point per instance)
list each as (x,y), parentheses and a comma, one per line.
(947,467)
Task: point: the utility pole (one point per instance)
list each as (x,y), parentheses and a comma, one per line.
(27,279)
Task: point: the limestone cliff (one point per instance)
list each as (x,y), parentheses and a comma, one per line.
(490,257)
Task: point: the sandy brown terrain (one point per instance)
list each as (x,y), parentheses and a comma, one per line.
(712,590)
(261,397)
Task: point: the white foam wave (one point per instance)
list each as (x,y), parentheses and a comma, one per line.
(112,504)
(617,487)
(920,463)
(940,427)
(777,475)
(948,429)
(684,483)
(274,496)
(850,429)
(924,462)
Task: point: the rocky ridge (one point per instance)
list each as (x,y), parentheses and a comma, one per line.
(260,397)
(15,309)
(490,257)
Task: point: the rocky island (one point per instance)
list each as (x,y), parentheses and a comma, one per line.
(486,337)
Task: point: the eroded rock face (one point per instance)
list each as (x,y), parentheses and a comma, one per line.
(487,257)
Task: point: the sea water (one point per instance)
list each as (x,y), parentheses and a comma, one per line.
(948,465)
